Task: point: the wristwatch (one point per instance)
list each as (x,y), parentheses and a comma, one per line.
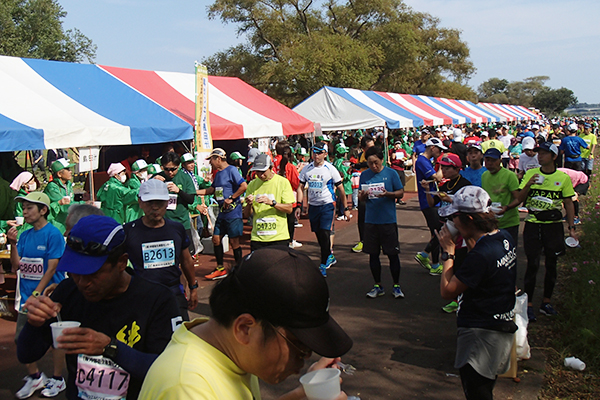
(111,350)
(447,256)
(194,286)
(573,227)
(274,203)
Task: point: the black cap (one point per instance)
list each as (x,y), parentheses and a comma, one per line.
(289,290)
(492,152)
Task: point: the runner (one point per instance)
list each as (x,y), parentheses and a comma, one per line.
(381,187)
(365,143)
(571,146)
(228,186)
(126,321)
(158,247)
(475,169)
(271,198)
(587,155)
(322,179)
(34,257)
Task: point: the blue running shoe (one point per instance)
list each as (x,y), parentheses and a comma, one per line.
(376,292)
(330,261)
(323,270)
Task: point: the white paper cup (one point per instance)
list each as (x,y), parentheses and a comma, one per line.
(540,179)
(451,228)
(98,204)
(575,363)
(20,220)
(57,328)
(322,384)
(68,198)
(2,238)
(571,242)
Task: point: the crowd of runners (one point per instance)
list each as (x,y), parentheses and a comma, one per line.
(123,266)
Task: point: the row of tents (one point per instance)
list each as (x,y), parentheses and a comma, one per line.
(49,104)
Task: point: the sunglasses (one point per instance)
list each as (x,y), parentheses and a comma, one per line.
(171,169)
(447,160)
(93,249)
(303,353)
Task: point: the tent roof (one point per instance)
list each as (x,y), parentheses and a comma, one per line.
(50,104)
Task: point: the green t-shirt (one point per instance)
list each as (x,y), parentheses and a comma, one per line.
(180,213)
(547,196)
(590,140)
(270,225)
(500,187)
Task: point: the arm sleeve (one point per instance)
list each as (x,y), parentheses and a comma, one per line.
(185,198)
(133,361)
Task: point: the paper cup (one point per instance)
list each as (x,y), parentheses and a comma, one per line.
(20,220)
(575,363)
(451,228)
(98,204)
(57,328)
(540,179)
(68,198)
(322,384)
(571,242)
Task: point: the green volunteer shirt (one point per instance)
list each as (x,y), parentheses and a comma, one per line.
(500,187)
(590,140)
(547,196)
(115,197)
(269,224)
(58,213)
(185,183)
(133,210)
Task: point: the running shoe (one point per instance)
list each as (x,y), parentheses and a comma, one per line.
(397,292)
(576,221)
(548,310)
(219,273)
(341,218)
(451,307)
(376,292)
(523,209)
(54,387)
(436,270)
(401,202)
(298,224)
(295,244)
(323,270)
(31,385)
(358,248)
(423,259)
(530,314)
(330,261)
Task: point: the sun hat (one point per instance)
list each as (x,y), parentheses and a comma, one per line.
(217,152)
(35,197)
(89,244)
(469,199)
(295,297)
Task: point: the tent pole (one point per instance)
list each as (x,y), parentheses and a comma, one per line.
(385,145)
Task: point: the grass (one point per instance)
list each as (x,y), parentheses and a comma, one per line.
(576,331)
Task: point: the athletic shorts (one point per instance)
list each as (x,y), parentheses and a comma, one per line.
(230,227)
(379,237)
(549,237)
(321,217)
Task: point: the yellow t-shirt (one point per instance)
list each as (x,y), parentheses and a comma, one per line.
(494,143)
(590,140)
(190,368)
(270,225)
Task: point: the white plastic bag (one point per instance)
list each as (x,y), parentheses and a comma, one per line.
(523,349)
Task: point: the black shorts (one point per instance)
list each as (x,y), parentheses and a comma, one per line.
(549,237)
(379,237)
(255,244)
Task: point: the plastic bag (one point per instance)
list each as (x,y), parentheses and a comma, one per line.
(523,349)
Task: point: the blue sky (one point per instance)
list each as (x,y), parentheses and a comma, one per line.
(508,39)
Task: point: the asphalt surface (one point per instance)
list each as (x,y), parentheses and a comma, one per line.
(403,348)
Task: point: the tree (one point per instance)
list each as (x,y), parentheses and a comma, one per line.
(492,87)
(496,90)
(295,47)
(554,101)
(33,29)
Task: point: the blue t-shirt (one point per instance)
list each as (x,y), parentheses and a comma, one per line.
(35,249)
(473,175)
(418,147)
(527,134)
(572,145)
(226,183)
(424,170)
(381,210)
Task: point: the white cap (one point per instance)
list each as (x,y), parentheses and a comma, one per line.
(470,199)
(187,157)
(535,126)
(528,143)
(153,189)
(436,142)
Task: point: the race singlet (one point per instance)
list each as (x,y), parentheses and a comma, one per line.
(32,268)
(99,378)
(158,254)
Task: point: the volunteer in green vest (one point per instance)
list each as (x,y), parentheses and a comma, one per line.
(236,160)
(188,166)
(182,192)
(60,192)
(271,198)
(115,195)
(343,166)
(139,174)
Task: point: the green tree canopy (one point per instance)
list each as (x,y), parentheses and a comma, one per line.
(33,29)
(295,47)
(554,101)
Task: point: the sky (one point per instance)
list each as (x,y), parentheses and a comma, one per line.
(509,39)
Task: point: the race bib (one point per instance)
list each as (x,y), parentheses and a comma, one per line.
(172,204)
(531,166)
(376,189)
(399,155)
(219,193)
(315,184)
(158,254)
(540,203)
(32,268)
(99,378)
(266,226)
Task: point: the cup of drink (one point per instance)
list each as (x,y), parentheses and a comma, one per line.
(98,204)
(452,229)
(574,363)
(540,179)
(322,384)
(2,238)
(67,199)
(20,220)
(57,328)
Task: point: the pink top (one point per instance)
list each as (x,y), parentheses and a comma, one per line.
(577,177)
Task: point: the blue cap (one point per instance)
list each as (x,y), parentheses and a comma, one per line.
(320,147)
(547,146)
(492,153)
(89,244)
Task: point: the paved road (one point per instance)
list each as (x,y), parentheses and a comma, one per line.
(403,348)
